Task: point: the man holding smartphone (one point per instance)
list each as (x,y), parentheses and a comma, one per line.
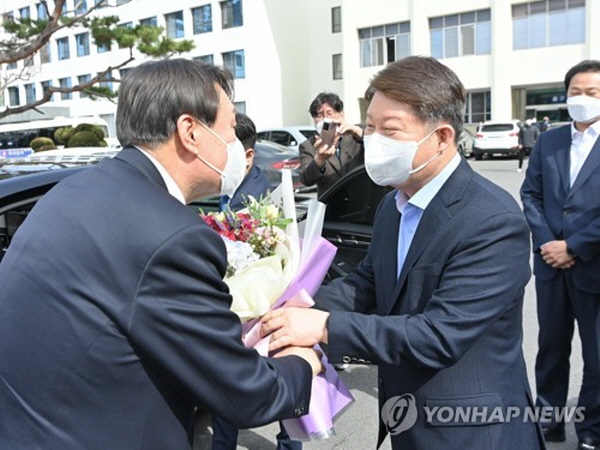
(336,150)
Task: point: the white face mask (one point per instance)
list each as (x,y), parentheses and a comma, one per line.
(235,168)
(389,162)
(583,108)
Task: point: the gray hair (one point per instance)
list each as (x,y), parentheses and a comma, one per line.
(155,94)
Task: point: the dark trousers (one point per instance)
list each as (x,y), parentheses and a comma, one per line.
(559,304)
(521,155)
(225,437)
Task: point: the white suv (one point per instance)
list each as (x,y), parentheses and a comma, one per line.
(291,136)
(497,138)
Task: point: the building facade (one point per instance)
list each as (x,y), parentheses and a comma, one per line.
(510,54)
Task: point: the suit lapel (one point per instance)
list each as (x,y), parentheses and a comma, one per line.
(589,166)
(563,158)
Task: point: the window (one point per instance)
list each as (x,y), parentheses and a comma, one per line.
(81,7)
(122,2)
(122,26)
(463,34)
(547,23)
(103,48)
(208,59)
(83,44)
(11,66)
(42,13)
(29,93)
(101,3)
(45,54)
(231,14)
(234,62)
(83,79)
(149,22)
(174,23)
(13,96)
(25,13)
(45,85)
(478,107)
(383,44)
(337,66)
(28,61)
(240,107)
(65,83)
(202,19)
(106,80)
(63,48)
(336,19)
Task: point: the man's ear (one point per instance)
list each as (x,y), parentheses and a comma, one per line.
(446,137)
(249,158)
(187,132)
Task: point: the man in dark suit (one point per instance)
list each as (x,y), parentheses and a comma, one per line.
(114,317)
(437,301)
(323,164)
(561,200)
(255,183)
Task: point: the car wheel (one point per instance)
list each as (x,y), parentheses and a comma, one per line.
(478,156)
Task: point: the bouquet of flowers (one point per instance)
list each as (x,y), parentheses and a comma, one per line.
(270,267)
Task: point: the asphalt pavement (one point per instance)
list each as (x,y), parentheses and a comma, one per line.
(357,427)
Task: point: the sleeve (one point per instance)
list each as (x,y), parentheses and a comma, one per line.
(310,172)
(586,241)
(481,282)
(532,198)
(182,324)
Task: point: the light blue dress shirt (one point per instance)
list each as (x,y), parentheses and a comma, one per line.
(411,209)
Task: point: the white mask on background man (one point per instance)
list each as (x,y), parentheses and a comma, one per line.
(389,162)
(235,168)
(583,108)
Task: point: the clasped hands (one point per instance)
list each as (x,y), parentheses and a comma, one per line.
(324,151)
(294,331)
(554,253)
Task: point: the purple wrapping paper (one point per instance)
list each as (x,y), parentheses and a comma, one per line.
(329,395)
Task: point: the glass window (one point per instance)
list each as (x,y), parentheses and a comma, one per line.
(234,62)
(45,54)
(106,80)
(45,85)
(103,48)
(65,83)
(122,2)
(231,14)
(202,19)
(29,93)
(83,44)
(149,22)
(81,7)
(28,61)
(468,33)
(11,66)
(467,37)
(41,11)
(451,42)
(336,19)
(207,59)
(83,79)
(483,35)
(174,22)
(13,96)
(383,44)
(62,45)
(240,107)
(337,66)
(101,3)
(25,13)
(478,107)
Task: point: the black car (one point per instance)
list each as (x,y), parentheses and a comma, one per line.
(351,206)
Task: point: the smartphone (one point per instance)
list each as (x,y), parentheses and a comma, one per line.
(328,133)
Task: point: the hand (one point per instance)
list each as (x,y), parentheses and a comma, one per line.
(345,127)
(311,356)
(324,152)
(554,253)
(294,326)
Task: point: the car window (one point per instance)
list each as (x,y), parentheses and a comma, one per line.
(308,133)
(281,137)
(497,127)
(264,135)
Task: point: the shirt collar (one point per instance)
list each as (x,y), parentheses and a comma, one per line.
(172,187)
(423,196)
(593,129)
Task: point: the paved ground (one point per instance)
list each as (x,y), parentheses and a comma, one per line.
(357,428)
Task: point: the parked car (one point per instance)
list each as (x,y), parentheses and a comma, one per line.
(497,138)
(291,136)
(272,158)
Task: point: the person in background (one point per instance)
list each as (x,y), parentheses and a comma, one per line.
(544,124)
(255,183)
(561,201)
(528,134)
(115,321)
(437,302)
(323,165)
(225,435)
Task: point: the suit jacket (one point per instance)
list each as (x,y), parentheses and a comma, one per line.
(115,322)
(448,330)
(351,156)
(556,211)
(255,184)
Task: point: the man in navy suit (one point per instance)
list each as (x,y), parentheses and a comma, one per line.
(437,301)
(561,200)
(114,317)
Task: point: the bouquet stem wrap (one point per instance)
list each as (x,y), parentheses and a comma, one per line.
(329,395)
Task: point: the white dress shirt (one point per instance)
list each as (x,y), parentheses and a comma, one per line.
(168,179)
(581,146)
